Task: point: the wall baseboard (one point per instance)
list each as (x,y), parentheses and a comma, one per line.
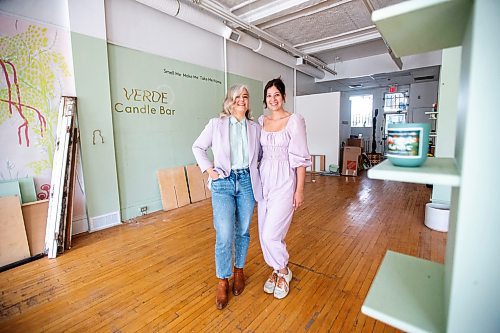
(80,225)
(104,221)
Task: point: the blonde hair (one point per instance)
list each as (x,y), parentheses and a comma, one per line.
(231,95)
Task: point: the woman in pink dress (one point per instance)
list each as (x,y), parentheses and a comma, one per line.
(282,171)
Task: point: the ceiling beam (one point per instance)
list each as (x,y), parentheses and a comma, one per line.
(368,4)
(349,38)
(269,9)
(241,5)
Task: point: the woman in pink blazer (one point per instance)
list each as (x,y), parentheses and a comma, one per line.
(235,184)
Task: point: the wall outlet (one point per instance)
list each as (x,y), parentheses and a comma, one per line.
(144,210)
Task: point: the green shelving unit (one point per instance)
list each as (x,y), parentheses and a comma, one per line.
(463,295)
(408,293)
(439,171)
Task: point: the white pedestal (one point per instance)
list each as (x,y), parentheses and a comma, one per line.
(437,216)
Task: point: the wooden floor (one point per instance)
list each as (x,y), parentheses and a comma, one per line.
(157,274)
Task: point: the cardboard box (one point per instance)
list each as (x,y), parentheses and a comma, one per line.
(355,142)
(350,161)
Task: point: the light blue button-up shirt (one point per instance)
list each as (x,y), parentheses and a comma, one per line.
(238,139)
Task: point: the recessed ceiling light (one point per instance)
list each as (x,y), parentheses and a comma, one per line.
(354,86)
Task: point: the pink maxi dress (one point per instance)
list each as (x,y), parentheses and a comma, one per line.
(283,151)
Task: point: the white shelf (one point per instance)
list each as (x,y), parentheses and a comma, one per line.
(407,293)
(414,27)
(439,171)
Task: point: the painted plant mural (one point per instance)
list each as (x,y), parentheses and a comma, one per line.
(34,72)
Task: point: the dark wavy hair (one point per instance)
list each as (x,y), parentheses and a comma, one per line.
(278,83)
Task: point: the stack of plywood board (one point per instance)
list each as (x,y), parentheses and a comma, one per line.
(13,240)
(22,229)
(181,186)
(197,181)
(35,222)
(23,221)
(173,188)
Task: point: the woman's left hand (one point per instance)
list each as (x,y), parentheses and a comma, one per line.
(298,199)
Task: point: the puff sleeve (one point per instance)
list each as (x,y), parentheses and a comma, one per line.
(261,121)
(298,153)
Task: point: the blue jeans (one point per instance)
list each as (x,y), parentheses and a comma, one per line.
(233,203)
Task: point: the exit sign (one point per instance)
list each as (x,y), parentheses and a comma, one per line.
(392,89)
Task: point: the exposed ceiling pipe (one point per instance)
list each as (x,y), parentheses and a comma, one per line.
(194,16)
(189,14)
(257,45)
(226,15)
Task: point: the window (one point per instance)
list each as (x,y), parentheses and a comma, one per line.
(395,102)
(361,110)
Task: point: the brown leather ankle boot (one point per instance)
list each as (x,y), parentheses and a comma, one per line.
(221,294)
(239,281)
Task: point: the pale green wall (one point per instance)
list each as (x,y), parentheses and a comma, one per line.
(146,142)
(90,60)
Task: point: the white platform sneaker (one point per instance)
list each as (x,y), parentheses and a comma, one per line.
(271,283)
(283,285)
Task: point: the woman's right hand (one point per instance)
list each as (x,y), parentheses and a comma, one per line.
(213,174)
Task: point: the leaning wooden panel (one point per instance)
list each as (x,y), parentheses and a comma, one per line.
(35,222)
(13,240)
(196,183)
(167,192)
(180,186)
(173,188)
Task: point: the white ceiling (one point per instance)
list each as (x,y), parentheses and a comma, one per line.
(332,31)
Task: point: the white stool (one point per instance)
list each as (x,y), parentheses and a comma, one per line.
(437,216)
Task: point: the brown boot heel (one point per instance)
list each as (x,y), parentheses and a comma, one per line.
(239,281)
(221,294)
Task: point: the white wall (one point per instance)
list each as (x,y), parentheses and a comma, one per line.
(54,12)
(243,61)
(422,96)
(321,113)
(161,34)
(381,63)
(88,18)
(167,36)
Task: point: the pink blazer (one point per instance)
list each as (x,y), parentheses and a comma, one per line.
(216,136)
